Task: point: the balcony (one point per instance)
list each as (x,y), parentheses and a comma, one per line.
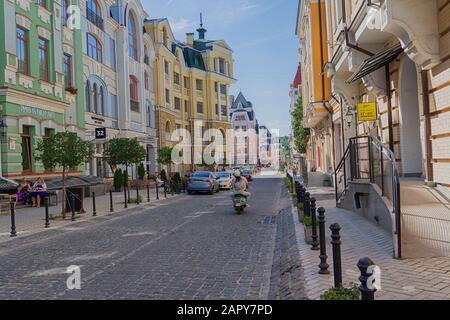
(94,18)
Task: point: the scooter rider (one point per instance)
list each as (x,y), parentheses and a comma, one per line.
(240,184)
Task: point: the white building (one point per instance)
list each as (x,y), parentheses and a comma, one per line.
(117,72)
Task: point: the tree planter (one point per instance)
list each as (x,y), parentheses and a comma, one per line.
(308,234)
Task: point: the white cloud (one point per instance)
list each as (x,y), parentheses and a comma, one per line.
(180,26)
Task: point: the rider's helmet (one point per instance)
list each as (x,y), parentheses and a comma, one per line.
(237,173)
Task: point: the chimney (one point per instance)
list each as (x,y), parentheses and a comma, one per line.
(190,39)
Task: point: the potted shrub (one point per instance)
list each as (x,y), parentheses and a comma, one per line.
(301,213)
(118,180)
(141,171)
(177,183)
(307,223)
(342,293)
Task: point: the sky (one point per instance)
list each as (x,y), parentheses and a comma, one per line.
(262,36)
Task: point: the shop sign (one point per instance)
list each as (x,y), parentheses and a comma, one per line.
(37,112)
(367,112)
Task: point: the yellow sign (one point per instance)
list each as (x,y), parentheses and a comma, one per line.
(367,111)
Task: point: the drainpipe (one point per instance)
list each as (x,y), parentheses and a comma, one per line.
(427,135)
(347,38)
(389,105)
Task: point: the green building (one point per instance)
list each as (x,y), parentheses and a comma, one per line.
(40,79)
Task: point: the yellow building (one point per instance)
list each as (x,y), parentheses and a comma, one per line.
(192,84)
(312,31)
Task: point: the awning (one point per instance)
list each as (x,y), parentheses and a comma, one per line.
(375,62)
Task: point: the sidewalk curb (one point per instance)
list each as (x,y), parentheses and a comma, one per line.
(314,283)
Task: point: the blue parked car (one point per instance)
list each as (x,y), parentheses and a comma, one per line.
(203,181)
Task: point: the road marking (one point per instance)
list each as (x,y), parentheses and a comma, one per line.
(86,257)
(139,234)
(48,272)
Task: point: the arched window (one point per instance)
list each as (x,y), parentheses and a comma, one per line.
(132,38)
(134,96)
(149,115)
(102,101)
(94,48)
(88,96)
(165,39)
(146,80)
(93,13)
(95,98)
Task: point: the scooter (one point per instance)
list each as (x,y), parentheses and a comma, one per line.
(239,202)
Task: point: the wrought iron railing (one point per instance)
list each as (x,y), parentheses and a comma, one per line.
(93,17)
(367,158)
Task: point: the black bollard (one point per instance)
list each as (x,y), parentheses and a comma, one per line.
(157,191)
(148,193)
(94,207)
(306,204)
(13,220)
(111,204)
(47,220)
(323,246)
(367,293)
(302,193)
(125,194)
(315,243)
(165,190)
(72,204)
(137,193)
(337,263)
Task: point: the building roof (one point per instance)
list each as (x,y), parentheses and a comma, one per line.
(298,77)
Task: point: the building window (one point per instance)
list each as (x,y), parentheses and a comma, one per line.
(176,78)
(88,96)
(22,50)
(199,84)
(186,83)
(149,114)
(167,96)
(224,111)
(222,66)
(134,97)
(186,106)
(43,59)
(165,38)
(93,13)
(95,97)
(42,3)
(101,97)
(166,67)
(68,70)
(217,109)
(146,80)
(223,89)
(199,107)
(94,48)
(177,103)
(132,39)
(64,8)
(27,152)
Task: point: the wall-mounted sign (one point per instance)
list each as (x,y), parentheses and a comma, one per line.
(100,133)
(367,111)
(37,112)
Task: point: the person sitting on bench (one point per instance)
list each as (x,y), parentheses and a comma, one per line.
(23,192)
(39,192)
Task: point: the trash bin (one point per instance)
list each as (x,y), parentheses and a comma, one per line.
(78,193)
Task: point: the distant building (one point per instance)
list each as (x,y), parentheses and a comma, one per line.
(243,120)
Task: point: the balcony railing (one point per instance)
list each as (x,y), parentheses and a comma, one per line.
(94,18)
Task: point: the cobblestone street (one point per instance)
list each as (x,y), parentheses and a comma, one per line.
(186,247)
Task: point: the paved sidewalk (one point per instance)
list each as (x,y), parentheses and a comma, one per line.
(417,279)
(31,220)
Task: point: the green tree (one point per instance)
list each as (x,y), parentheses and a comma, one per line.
(64,150)
(124,151)
(301,134)
(165,157)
